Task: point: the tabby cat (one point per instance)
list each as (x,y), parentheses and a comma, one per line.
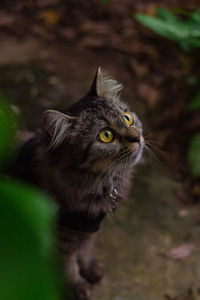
(83,157)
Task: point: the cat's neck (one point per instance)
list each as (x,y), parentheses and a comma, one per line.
(78,188)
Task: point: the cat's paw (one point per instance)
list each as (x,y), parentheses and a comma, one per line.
(93,273)
(82,290)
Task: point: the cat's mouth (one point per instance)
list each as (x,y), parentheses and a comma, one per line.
(135,143)
(136,153)
(130,155)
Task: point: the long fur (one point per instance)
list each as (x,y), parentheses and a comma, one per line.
(106,86)
(81,173)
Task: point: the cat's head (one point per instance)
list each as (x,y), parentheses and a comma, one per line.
(99,130)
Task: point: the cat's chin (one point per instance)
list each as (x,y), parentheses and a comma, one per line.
(136,155)
(132,159)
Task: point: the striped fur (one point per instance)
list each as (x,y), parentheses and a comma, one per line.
(80,172)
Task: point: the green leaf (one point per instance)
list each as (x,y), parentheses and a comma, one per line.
(26,244)
(7,127)
(169,30)
(188,44)
(105,2)
(196,15)
(181,11)
(185,33)
(194,155)
(192,80)
(166,15)
(195,104)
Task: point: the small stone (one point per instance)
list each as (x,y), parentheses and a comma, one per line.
(183,213)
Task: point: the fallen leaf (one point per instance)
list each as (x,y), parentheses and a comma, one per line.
(50,17)
(181,252)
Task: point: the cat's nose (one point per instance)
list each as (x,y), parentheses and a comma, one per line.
(133,139)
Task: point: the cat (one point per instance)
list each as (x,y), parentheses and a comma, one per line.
(83,157)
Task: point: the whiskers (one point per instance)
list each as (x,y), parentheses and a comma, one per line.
(148,145)
(148,135)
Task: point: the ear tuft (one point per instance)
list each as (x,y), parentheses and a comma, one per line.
(57,124)
(104,86)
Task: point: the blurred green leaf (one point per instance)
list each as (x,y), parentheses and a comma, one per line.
(162,27)
(181,11)
(105,2)
(196,15)
(7,127)
(185,33)
(195,104)
(26,244)
(192,80)
(166,15)
(194,155)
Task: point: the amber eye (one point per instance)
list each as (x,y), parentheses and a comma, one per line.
(128,118)
(106,135)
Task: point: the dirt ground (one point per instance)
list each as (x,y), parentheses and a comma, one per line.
(49,53)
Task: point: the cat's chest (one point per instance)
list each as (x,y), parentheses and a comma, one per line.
(87,205)
(109,193)
(93,194)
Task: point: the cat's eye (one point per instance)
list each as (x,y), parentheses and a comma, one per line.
(106,135)
(128,118)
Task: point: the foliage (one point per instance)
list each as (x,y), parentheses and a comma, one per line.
(26,241)
(194,155)
(26,219)
(105,2)
(195,104)
(7,127)
(185,32)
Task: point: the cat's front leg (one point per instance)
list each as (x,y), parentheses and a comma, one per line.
(81,287)
(90,269)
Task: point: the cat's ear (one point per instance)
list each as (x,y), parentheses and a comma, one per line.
(57,124)
(104,86)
